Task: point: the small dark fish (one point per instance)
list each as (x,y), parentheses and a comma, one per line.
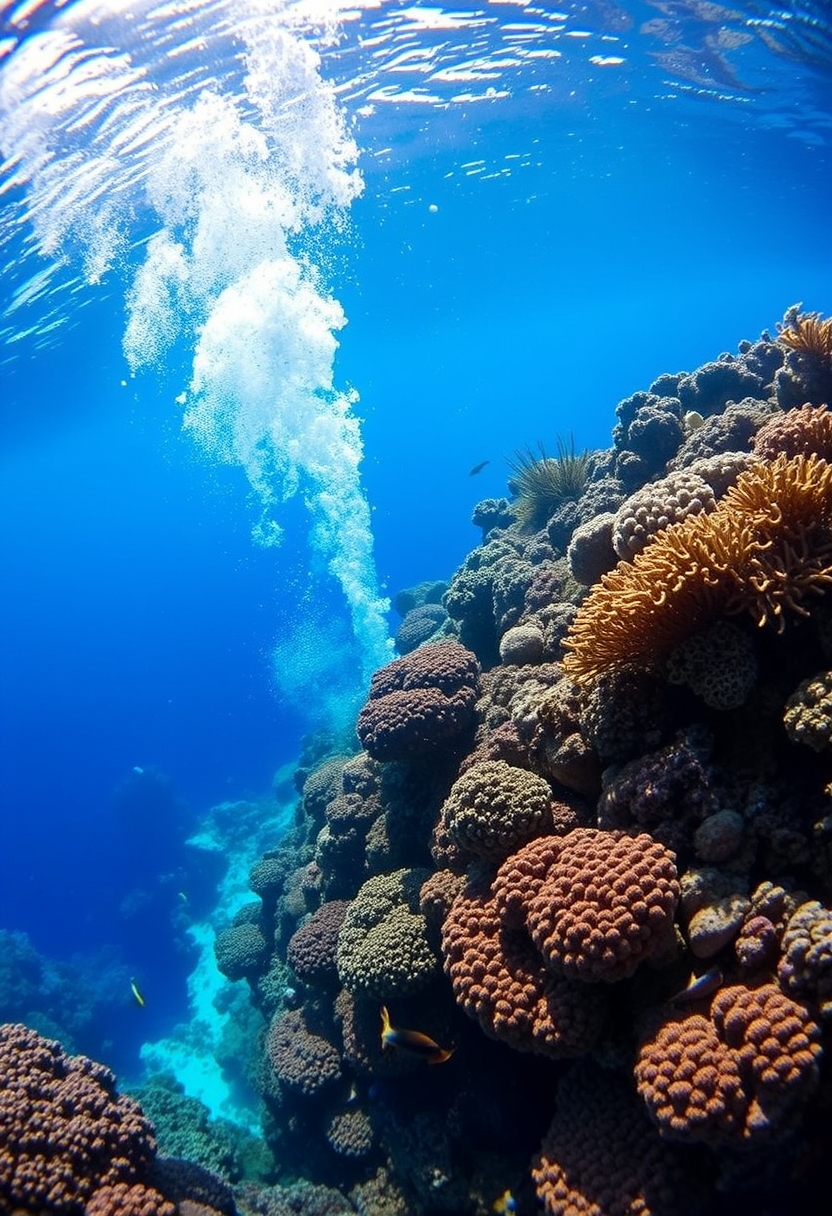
(137,996)
(478,468)
(698,987)
(413,1041)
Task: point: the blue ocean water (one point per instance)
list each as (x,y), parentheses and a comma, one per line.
(286,273)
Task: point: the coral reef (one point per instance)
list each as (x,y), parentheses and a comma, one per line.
(583,856)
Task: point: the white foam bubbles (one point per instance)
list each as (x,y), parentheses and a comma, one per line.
(233,182)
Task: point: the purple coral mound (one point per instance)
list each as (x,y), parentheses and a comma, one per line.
(419,703)
(312,949)
(64,1131)
(301,1059)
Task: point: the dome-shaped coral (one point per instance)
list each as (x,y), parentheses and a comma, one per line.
(301,1059)
(732,1076)
(598,1157)
(499,979)
(64,1131)
(494,807)
(420,702)
(594,903)
(383,946)
(311,952)
(656,506)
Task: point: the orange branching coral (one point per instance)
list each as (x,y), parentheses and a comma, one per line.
(765,550)
(809,332)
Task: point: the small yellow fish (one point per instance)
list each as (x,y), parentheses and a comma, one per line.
(505,1204)
(412,1041)
(698,987)
(137,996)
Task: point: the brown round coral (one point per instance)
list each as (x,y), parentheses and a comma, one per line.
(735,1075)
(598,1157)
(499,979)
(805,969)
(796,432)
(311,952)
(595,903)
(128,1199)
(64,1131)
(350,1133)
(419,703)
(301,1059)
(494,807)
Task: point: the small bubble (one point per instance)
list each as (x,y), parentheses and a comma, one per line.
(433,208)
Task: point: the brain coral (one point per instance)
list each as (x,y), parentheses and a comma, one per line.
(312,948)
(594,903)
(420,702)
(656,506)
(499,979)
(493,808)
(598,1157)
(765,550)
(732,1076)
(301,1059)
(383,947)
(808,716)
(803,430)
(64,1132)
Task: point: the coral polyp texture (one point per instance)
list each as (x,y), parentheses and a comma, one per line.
(598,1158)
(592,890)
(594,903)
(420,703)
(734,1075)
(765,550)
(65,1133)
(494,807)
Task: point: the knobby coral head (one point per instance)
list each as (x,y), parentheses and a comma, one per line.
(766,550)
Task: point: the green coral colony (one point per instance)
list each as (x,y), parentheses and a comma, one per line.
(582,856)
